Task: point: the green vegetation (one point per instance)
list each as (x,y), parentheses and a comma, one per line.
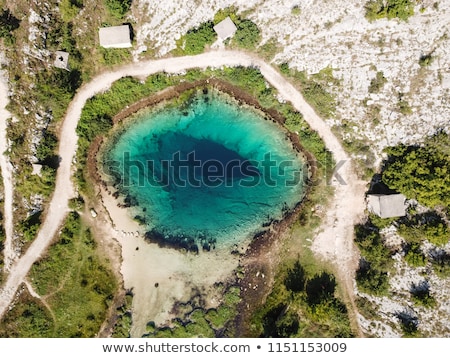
(377,83)
(313,88)
(69,9)
(196,39)
(29,318)
(375,264)
(403,106)
(76,288)
(421,172)
(302,304)
(441,264)
(421,295)
(409,324)
(430,226)
(425,60)
(8,23)
(414,255)
(296,10)
(247,35)
(118,8)
(114,56)
(197,322)
(269,49)
(378,9)
(124,318)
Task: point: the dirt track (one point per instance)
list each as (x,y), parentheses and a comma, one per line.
(333,242)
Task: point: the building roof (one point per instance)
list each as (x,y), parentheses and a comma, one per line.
(36,169)
(115,37)
(61,60)
(387,206)
(225,29)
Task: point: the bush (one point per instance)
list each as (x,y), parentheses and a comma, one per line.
(377,83)
(428,226)
(118,8)
(414,255)
(377,9)
(196,39)
(247,34)
(69,9)
(441,264)
(421,295)
(8,23)
(372,280)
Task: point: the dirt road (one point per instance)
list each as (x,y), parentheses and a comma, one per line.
(334,242)
(6,170)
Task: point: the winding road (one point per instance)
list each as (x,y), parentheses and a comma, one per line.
(334,241)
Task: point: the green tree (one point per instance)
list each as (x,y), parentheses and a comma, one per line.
(8,23)
(118,8)
(247,34)
(295,278)
(421,172)
(196,39)
(320,288)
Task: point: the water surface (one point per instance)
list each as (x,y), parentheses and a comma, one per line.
(210,171)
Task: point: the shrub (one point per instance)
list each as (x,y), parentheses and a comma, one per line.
(196,39)
(247,34)
(414,255)
(421,295)
(377,83)
(118,8)
(377,9)
(428,226)
(372,280)
(8,23)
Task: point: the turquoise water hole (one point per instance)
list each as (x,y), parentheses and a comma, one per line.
(207,173)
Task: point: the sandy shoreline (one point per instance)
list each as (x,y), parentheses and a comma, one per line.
(159,277)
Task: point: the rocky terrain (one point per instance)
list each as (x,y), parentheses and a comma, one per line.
(315,34)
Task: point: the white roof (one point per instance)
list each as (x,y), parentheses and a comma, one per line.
(115,37)
(225,29)
(387,206)
(36,169)
(61,60)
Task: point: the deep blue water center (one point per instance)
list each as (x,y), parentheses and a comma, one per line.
(211,170)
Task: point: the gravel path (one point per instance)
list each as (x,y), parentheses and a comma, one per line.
(9,253)
(333,242)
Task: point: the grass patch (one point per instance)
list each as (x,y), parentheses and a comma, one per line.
(74,281)
(314,89)
(28,319)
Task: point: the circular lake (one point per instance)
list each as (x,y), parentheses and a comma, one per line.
(208,172)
